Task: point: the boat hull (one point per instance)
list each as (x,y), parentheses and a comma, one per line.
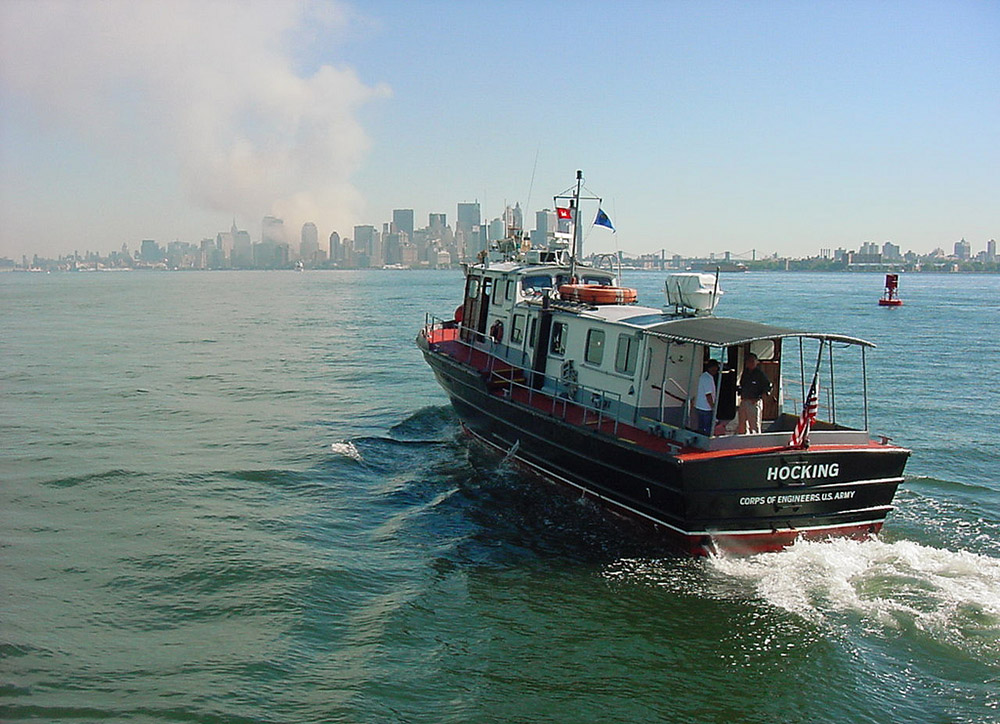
(745,501)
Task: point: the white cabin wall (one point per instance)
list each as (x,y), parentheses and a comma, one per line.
(669,367)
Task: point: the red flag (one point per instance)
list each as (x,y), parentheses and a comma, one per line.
(800,437)
(562,213)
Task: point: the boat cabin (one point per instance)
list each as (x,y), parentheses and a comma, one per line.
(563,333)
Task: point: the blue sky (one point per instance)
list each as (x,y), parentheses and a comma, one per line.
(706,126)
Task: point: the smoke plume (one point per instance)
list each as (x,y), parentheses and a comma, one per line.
(211,85)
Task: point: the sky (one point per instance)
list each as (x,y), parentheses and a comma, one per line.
(750,127)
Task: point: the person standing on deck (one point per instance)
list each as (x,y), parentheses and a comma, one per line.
(754,384)
(704,401)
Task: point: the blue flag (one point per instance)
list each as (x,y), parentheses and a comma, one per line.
(603,220)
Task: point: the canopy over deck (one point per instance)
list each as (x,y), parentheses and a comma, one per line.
(726,332)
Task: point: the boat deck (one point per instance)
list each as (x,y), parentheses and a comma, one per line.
(509,381)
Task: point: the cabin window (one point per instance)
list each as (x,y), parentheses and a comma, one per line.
(536,283)
(487,286)
(473,287)
(763,348)
(595,346)
(510,289)
(562,279)
(498,297)
(603,281)
(626,354)
(558,338)
(517,329)
(531,331)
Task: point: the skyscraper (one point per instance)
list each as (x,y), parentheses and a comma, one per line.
(497,230)
(309,245)
(513,218)
(469,228)
(242,255)
(545,228)
(150,251)
(272,230)
(402,220)
(336,248)
(367,243)
(272,251)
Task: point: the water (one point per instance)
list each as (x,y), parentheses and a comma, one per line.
(241,497)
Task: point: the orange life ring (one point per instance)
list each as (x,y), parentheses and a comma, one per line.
(597,294)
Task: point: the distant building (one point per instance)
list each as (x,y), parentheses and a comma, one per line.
(513,218)
(442,259)
(963,249)
(150,251)
(272,251)
(392,247)
(402,220)
(336,249)
(242,255)
(182,255)
(224,242)
(545,228)
(210,256)
(891,252)
(368,246)
(496,231)
(272,230)
(309,244)
(469,230)
(991,250)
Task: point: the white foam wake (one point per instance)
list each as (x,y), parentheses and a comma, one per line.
(346,449)
(951,596)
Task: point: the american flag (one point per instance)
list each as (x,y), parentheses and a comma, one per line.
(801,435)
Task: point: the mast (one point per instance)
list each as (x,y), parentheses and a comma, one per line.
(576,227)
(573,197)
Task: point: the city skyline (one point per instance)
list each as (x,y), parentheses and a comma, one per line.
(437,245)
(774,126)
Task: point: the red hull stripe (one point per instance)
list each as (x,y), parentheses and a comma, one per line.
(735,452)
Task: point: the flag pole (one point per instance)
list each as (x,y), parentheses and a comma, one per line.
(800,436)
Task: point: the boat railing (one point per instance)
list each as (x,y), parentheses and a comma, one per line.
(564,398)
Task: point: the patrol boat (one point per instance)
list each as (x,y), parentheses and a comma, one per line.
(551,363)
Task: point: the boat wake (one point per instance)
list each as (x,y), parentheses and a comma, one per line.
(952,597)
(430,426)
(346,449)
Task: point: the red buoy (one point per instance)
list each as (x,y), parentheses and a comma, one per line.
(889,296)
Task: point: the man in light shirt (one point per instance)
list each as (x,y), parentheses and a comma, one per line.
(704,401)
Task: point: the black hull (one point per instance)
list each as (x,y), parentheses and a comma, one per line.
(750,501)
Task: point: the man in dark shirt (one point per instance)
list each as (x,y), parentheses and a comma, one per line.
(754,384)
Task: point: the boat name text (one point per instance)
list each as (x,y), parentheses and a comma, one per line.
(803,472)
(797,498)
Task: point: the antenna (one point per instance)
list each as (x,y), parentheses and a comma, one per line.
(531,186)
